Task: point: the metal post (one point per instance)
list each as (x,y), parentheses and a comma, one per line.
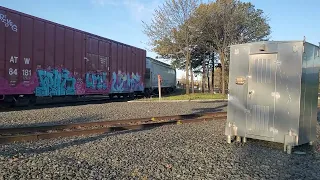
(228,139)
(289,149)
(159,86)
(238,139)
(244,139)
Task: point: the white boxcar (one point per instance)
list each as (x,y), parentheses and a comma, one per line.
(155,68)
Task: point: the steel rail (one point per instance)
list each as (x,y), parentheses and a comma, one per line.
(139,124)
(13,130)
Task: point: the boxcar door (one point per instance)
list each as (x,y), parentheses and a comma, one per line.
(261,98)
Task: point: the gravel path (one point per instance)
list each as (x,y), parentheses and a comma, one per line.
(107,111)
(187,151)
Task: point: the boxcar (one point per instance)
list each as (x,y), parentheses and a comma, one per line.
(167,73)
(39,58)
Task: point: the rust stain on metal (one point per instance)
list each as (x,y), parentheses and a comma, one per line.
(57,131)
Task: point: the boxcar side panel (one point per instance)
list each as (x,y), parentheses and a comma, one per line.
(138,68)
(143,66)
(108,59)
(125,60)
(83,56)
(59,47)
(3,80)
(78,61)
(129,62)
(96,82)
(39,59)
(120,57)
(136,60)
(48,40)
(114,57)
(12,52)
(26,51)
(48,59)
(133,59)
(144,58)
(68,56)
(141,71)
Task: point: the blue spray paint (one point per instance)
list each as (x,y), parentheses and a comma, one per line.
(55,83)
(96,81)
(123,82)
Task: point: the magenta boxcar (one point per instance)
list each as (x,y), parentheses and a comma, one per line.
(48,59)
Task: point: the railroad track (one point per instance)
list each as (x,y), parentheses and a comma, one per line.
(34,133)
(60,102)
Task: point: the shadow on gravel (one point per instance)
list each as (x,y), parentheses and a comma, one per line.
(269,158)
(207,110)
(61,102)
(80,119)
(20,148)
(214,101)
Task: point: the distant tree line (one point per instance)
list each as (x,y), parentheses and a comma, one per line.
(195,36)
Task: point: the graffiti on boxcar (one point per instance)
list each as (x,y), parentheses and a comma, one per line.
(80,87)
(96,81)
(123,82)
(55,83)
(8,23)
(136,82)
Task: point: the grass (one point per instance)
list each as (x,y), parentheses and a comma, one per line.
(195,96)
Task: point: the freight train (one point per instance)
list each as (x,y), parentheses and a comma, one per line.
(40,58)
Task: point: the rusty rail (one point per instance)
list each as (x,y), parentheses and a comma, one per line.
(34,133)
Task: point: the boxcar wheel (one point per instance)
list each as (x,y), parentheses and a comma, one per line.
(131,96)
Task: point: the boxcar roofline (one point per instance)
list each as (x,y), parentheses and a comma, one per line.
(67,27)
(161,63)
(272,42)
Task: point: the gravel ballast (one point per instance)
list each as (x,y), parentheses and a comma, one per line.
(187,151)
(106,111)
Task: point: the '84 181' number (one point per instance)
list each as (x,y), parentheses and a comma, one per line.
(26,72)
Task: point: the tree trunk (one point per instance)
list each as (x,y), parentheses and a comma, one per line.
(212,80)
(192,80)
(208,79)
(187,72)
(222,58)
(203,75)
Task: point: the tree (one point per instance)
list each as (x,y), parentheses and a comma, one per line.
(170,31)
(198,60)
(227,22)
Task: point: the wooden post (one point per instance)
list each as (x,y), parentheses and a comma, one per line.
(159,86)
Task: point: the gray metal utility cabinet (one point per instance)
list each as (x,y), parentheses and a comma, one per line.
(273,92)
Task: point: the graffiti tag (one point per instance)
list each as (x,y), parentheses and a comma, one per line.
(125,82)
(8,23)
(55,83)
(96,81)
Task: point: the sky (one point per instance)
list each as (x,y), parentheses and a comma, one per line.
(121,20)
